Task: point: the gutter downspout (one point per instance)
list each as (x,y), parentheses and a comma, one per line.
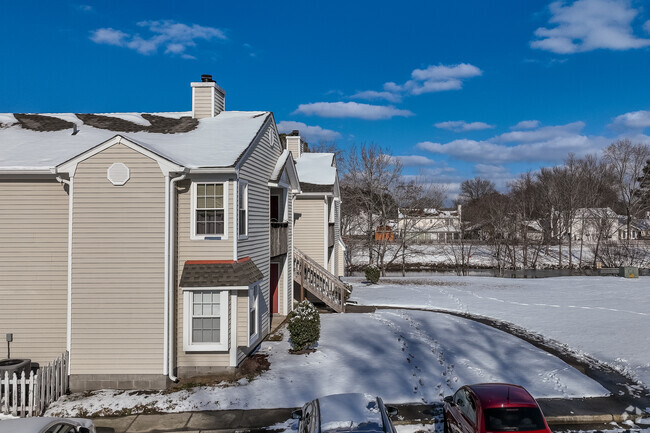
(232,350)
(169,265)
(69,307)
(166,284)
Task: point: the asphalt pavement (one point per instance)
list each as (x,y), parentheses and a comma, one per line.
(558,412)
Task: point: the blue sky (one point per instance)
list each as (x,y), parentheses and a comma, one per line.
(457,89)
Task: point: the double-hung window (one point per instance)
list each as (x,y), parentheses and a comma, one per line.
(209,209)
(206,315)
(243,208)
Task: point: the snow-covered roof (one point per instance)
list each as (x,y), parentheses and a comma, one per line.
(279,166)
(42,142)
(316,168)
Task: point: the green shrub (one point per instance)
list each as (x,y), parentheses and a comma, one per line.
(372,274)
(304,326)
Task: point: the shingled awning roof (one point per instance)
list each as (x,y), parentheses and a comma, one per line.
(312,187)
(220,273)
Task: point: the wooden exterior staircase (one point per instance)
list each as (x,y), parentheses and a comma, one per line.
(318,281)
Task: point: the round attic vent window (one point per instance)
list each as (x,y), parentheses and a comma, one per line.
(118,174)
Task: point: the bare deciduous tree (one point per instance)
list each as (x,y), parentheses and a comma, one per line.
(372,177)
(475,189)
(627,160)
(414,198)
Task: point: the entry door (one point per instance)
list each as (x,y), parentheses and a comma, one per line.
(275,209)
(275,279)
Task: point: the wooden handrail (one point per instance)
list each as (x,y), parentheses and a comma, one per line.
(318,281)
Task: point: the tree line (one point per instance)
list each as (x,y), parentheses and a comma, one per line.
(384,213)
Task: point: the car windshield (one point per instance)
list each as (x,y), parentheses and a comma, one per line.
(514,419)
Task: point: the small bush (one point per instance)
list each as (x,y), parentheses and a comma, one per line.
(304,326)
(372,274)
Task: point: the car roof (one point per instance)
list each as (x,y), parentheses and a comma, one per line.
(350,412)
(35,424)
(492,395)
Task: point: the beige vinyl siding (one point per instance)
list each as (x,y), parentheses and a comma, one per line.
(118,266)
(202,102)
(219,102)
(309,227)
(34,268)
(256,170)
(242,316)
(201,249)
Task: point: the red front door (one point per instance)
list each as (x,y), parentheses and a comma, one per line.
(275,277)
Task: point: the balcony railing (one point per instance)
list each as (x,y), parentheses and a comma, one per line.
(279,238)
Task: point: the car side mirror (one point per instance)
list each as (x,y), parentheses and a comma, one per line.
(296,414)
(83,430)
(449,399)
(391,411)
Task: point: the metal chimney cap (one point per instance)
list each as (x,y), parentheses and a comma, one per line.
(207,78)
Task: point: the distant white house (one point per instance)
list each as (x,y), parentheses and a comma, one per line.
(430,225)
(593,224)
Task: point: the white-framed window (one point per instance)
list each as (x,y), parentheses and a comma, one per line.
(253,312)
(205,320)
(209,210)
(243,208)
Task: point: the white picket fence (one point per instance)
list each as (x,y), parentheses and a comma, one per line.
(30,394)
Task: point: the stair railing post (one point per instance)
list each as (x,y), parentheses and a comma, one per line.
(302,279)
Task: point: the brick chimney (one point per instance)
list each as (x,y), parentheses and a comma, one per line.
(208,99)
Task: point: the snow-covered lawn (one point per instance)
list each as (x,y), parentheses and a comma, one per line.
(605,317)
(485,256)
(403,356)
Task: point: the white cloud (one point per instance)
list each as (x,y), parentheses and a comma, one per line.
(351,109)
(587,25)
(462,126)
(541,134)
(85,8)
(549,144)
(646,26)
(312,134)
(432,79)
(414,160)
(633,120)
(109,36)
(372,95)
(436,79)
(526,124)
(175,37)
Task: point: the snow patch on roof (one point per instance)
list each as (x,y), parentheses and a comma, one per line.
(316,168)
(7,119)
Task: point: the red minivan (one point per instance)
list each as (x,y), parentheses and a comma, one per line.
(493,407)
